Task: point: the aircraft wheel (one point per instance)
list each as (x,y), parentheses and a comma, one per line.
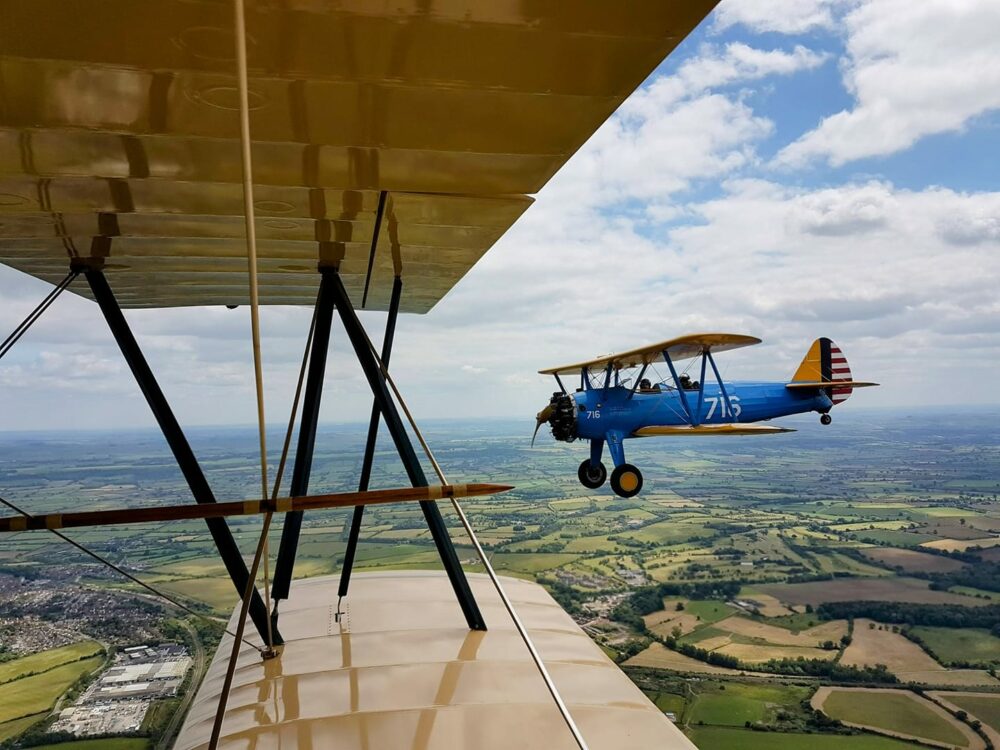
(626,480)
(592,477)
(825,419)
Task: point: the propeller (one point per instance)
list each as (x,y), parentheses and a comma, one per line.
(541,418)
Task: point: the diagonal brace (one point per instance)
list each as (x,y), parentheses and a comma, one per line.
(189,466)
(404,447)
(369,457)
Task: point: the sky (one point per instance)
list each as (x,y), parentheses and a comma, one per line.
(795,169)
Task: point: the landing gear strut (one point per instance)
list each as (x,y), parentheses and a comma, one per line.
(626,480)
(825,419)
(592,476)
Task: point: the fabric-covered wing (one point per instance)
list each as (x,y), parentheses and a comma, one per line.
(684,347)
(392,138)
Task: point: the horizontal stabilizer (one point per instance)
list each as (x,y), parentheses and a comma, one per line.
(829,384)
(709,429)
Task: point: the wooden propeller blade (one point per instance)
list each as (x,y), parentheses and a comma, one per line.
(246,507)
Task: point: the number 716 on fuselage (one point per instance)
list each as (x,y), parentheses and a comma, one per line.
(608,409)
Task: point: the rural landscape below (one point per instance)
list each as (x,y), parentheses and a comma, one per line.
(840,582)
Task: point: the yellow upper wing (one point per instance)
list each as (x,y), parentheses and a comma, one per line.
(680,348)
(119,135)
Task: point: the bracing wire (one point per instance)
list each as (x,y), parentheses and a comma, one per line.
(251,233)
(24,325)
(239,24)
(126,574)
(295,407)
(241,624)
(508,605)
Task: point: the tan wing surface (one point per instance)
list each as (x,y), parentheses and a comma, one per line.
(391,138)
(684,347)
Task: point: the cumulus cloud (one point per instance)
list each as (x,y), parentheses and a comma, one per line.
(914,70)
(780,16)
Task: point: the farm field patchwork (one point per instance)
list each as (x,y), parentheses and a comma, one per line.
(31,695)
(897,589)
(874,643)
(962,645)
(912,561)
(660,657)
(16,726)
(719,738)
(899,712)
(960,545)
(735,703)
(46,660)
(110,743)
(983,706)
(763,631)
(748,514)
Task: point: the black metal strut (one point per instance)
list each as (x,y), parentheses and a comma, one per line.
(189,466)
(404,447)
(302,469)
(366,464)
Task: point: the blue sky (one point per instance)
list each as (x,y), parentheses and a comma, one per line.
(796,168)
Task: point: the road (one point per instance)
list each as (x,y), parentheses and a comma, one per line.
(197,672)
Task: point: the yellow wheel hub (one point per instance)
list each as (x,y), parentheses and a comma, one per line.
(628,481)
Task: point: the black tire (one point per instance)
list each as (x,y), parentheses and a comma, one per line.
(626,480)
(825,419)
(592,478)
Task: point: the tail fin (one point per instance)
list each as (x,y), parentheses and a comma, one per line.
(825,363)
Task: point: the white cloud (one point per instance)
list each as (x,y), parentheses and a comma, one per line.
(781,16)
(914,69)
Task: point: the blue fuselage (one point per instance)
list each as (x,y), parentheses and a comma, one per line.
(602,411)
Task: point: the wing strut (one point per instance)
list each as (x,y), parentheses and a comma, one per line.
(678,386)
(189,466)
(366,464)
(722,386)
(302,467)
(376,380)
(638,379)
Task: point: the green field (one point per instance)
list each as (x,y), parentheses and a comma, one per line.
(13,728)
(986,708)
(733,703)
(708,611)
(894,712)
(31,695)
(46,660)
(717,738)
(951,645)
(669,702)
(113,743)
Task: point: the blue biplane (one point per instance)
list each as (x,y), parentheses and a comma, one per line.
(608,408)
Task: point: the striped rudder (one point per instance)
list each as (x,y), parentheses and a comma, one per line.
(839,370)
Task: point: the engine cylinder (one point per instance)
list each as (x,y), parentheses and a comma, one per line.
(563,419)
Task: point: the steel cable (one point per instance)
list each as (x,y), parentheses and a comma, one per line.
(35,314)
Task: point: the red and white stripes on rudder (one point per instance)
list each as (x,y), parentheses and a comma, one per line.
(839,371)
